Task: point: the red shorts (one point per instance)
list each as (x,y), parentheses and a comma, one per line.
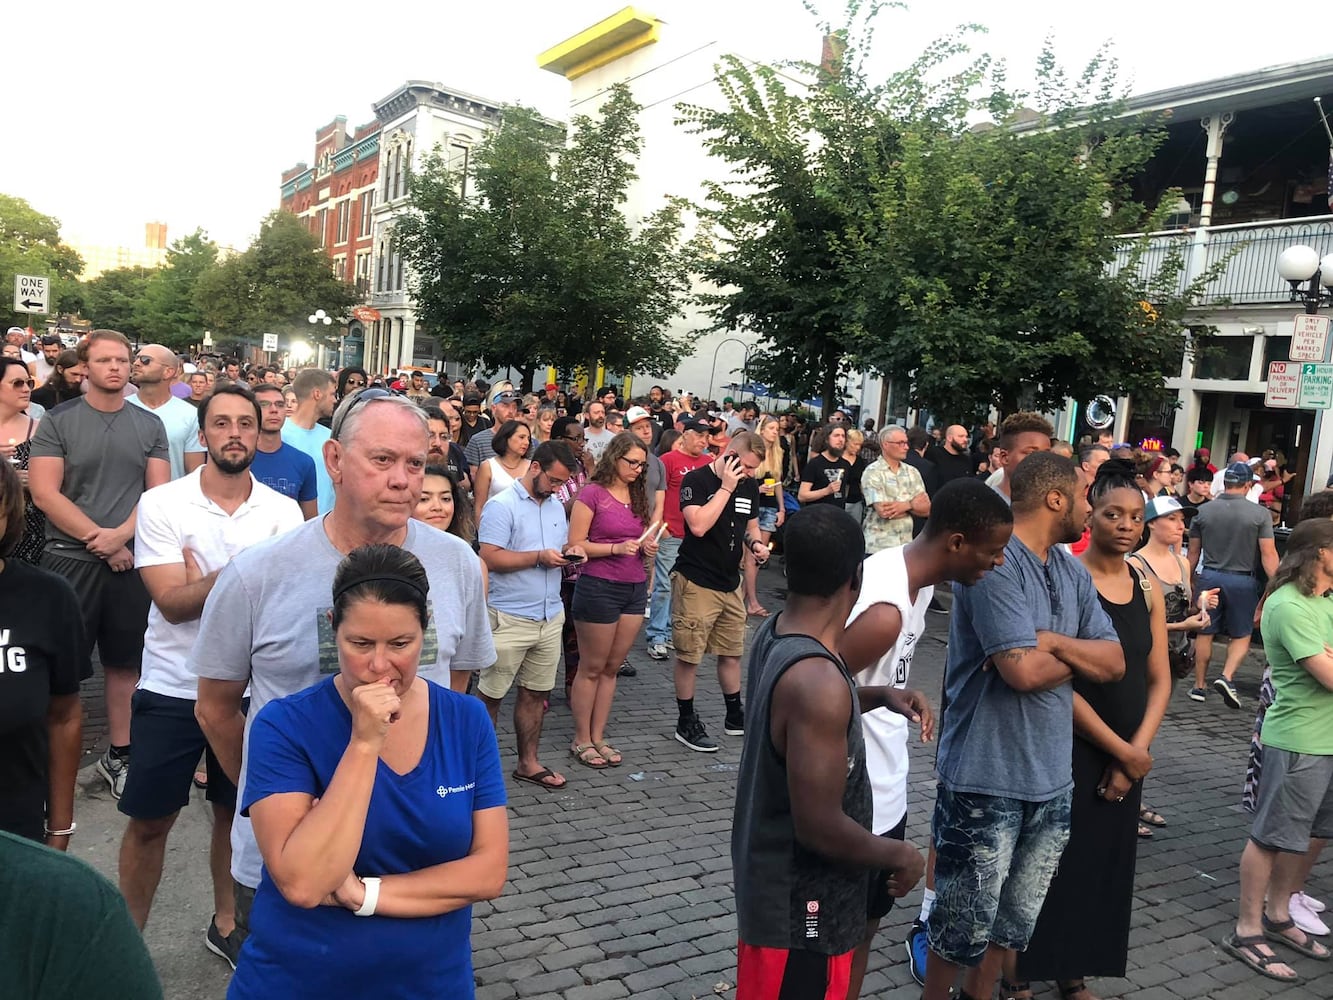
(783,974)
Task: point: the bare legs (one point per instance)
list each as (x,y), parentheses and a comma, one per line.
(602,648)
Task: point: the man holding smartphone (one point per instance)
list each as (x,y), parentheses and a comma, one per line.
(524,539)
(719,504)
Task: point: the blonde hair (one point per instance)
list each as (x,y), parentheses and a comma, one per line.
(772,462)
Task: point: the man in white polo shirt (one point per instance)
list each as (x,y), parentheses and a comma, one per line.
(186,532)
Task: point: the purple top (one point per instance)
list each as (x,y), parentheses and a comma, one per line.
(612,522)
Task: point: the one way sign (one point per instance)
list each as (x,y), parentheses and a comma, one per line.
(31,294)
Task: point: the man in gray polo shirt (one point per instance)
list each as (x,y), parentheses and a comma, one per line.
(504,406)
(1234,537)
(524,536)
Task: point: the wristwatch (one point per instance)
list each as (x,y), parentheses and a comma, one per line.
(372,899)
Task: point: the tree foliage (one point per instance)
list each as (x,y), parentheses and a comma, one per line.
(114,300)
(273,286)
(529,261)
(30,244)
(874,226)
(170,315)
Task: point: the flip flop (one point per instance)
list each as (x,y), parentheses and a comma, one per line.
(1246,950)
(539,779)
(761,613)
(1311,948)
(1145,831)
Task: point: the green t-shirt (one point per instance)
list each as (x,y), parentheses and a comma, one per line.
(1295,627)
(65,931)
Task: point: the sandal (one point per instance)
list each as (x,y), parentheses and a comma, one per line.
(1012,991)
(760,613)
(608,753)
(1072,988)
(589,756)
(1310,948)
(1246,949)
(1145,831)
(1146,815)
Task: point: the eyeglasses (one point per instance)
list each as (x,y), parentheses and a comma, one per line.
(633,464)
(271,404)
(355,382)
(364,396)
(19,383)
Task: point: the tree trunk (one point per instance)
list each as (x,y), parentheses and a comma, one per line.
(830,383)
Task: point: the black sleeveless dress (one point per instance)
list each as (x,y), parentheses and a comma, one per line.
(34,521)
(1083,929)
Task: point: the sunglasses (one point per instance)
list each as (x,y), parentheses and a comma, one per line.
(356,381)
(364,396)
(19,383)
(145,360)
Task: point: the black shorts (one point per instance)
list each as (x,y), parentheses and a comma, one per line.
(880,902)
(115,606)
(167,743)
(604,602)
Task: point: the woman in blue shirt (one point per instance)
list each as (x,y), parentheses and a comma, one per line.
(379,809)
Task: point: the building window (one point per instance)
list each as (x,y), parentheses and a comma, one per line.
(340,268)
(398,172)
(344,219)
(1226,358)
(367,203)
(458,164)
(323,224)
(381,267)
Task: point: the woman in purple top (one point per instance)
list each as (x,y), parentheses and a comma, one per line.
(609,519)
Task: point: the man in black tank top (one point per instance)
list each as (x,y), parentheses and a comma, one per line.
(801,848)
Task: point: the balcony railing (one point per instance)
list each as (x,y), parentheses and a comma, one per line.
(1250,277)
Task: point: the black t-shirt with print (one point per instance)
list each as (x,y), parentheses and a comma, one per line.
(42,655)
(819,472)
(714,560)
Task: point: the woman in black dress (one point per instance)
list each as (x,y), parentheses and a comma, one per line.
(1083,929)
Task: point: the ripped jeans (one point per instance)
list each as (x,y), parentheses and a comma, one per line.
(994,860)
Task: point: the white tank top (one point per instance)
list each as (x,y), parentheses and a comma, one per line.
(500,479)
(884,581)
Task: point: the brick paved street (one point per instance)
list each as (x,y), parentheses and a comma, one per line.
(620,885)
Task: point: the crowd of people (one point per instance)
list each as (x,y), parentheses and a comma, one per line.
(311,594)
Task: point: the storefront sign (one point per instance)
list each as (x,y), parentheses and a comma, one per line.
(1284,384)
(1309,338)
(1316,387)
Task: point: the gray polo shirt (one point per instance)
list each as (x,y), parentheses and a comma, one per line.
(1229,528)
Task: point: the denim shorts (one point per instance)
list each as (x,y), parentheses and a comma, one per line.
(605,602)
(994,860)
(1238,598)
(768,519)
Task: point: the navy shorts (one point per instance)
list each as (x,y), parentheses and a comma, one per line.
(1238,597)
(880,901)
(604,602)
(167,742)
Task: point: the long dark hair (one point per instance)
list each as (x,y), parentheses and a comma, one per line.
(345,374)
(1303,547)
(464,522)
(605,473)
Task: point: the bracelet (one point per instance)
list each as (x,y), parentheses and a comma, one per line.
(372,886)
(60,833)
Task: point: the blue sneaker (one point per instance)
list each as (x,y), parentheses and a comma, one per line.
(916,951)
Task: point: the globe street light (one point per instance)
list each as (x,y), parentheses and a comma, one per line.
(1302,265)
(319,316)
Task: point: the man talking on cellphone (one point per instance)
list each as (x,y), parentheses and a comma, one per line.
(719,503)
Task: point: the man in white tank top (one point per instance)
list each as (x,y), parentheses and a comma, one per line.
(963,539)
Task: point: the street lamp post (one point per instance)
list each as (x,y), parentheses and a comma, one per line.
(1310,276)
(745,362)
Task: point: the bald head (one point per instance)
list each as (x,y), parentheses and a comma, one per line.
(154,364)
(955,438)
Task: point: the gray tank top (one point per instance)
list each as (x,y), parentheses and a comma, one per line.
(786,896)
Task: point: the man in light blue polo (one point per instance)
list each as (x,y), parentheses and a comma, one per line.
(524,542)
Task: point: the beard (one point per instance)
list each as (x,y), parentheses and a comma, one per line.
(1070,529)
(435,456)
(230,466)
(835,452)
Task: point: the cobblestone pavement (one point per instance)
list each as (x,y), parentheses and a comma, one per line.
(620,886)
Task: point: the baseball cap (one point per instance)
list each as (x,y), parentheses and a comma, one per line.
(506,396)
(551,387)
(1238,474)
(699,426)
(16,329)
(1160,506)
(728,399)
(636,413)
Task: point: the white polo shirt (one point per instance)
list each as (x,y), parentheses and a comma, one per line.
(177,516)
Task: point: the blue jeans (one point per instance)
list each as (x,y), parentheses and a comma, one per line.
(994,860)
(659,617)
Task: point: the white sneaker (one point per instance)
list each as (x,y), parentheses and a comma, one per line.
(1313,904)
(658,651)
(1306,919)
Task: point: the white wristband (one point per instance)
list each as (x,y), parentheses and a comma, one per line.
(372,899)
(61,833)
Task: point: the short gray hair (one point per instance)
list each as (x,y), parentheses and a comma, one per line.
(350,411)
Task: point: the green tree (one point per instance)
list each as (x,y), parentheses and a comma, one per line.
(273,286)
(30,244)
(169,312)
(529,261)
(114,300)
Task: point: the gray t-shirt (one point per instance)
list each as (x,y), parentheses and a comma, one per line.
(995,740)
(266,621)
(1229,528)
(655,477)
(106,456)
(595,441)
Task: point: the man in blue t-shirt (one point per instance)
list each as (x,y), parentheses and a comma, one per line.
(303,431)
(277,464)
(1016,640)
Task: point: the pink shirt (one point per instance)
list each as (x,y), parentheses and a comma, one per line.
(612,522)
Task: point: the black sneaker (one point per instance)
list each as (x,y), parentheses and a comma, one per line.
(1228,692)
(224,947)
(627,669)
(691,733)
(734,725)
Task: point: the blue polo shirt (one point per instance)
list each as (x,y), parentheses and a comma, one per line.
(995,740)
(514,520)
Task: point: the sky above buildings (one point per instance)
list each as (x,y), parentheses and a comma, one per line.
(188,114)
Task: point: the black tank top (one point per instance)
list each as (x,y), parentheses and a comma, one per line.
(786,896)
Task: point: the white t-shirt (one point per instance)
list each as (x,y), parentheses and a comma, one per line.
(43,369)
(885,582)
(1219,488)
(595,442)
(177,516)
(266,622)
(182,423)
